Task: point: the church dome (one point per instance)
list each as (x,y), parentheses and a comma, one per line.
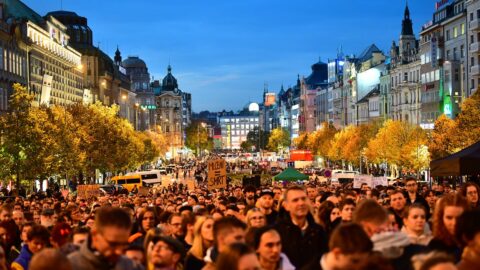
(169,83)
(133,62)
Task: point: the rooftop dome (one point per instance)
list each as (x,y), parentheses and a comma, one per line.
(133,62)
(169,83)
(253,107)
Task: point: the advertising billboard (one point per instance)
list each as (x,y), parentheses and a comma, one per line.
(270,99)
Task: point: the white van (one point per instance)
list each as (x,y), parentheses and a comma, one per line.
(150,178)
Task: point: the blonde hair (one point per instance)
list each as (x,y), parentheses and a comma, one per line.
(250,214)
(197,249)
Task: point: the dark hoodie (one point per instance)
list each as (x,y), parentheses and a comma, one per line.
(302,248)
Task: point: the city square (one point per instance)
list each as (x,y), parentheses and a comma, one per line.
(243,135)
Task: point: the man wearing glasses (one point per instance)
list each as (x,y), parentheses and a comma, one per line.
(105,247)
(414,197)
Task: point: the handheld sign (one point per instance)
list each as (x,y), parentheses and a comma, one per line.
(217,174)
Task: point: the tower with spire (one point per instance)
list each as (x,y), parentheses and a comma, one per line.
(118,57)
(407,41)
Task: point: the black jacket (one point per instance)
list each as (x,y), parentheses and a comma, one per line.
(302,248)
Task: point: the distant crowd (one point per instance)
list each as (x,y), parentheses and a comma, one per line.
(311,226)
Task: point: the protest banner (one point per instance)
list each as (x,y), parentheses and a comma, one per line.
(88,191)
(143,191)
(217,174)
(379,181)
(361,179)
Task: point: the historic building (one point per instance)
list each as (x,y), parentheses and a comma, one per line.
(137,71)
(443,55)
(473,41)
(405,75)
(169,113)
(236,126)
(309,105)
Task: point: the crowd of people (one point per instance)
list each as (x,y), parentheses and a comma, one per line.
(275,227)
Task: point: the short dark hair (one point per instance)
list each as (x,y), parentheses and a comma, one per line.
(291,188)
(226,223)
(350,238)
(114,217)
(468,225)
(346,202)
(370,211)
(39,232)
(259,232)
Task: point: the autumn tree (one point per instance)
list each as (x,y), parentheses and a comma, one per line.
(301,142)
(320,141)
(467,129)
(197,137)
(443,141)
(279,139)
(257,138)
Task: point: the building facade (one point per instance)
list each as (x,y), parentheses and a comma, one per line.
(235,127)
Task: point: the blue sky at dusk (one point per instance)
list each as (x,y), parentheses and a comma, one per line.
(224,51)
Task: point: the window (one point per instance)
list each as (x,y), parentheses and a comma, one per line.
(471,16)
(447,34)
(462,26)
(454,53)
(405,77)
(455,32)
(447,56)
(462,51)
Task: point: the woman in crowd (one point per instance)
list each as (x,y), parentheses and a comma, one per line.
(238,257)
(255,218)
(415,226)
(327,214)
(431,198)
(146,220)
(470,191)
(449,208)
(202,241)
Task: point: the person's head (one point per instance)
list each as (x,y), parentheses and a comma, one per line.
(397,201)
(348,244)
(371,216)
(111,232)
(411,185)
(175,224)
(414,218)
(255,218)
(268,245)
(326,213)
(47,218)
(448,209)
(431,198)
(433,261)
(148,219)
(26,227)
(296,202)
(266,199)
(202,236)
(347,206)
(5,212)
(136,253)
(37,238)
(468,230)
(312,192)
(80,235)
(470,191)
(48,257)
(238,256)
(228,230)
(167,252)
(18,217)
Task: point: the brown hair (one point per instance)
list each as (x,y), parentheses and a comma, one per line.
(230,257)
(439,230)
(370,211)
(350,238)
(112,216)
(408,208)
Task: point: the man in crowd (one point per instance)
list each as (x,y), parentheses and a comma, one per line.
(397,204)
(414,197)
(167,253)
(268,246)
(109,238)
(303,240)
(266,206)
(226,231)
(37,238)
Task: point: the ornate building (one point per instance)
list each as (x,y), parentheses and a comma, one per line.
(137,71)
(405,75)
(169,113)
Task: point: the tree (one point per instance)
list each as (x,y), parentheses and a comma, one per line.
(279,139)
(258,138)
(197,137)
(301,142)
(320,140)
(443,140)
(468,122)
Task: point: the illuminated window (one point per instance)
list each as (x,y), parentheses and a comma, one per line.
(463,28)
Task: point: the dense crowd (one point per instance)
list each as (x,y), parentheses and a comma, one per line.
(311,226)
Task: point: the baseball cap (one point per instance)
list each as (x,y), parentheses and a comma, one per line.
(173,243)
(267,191)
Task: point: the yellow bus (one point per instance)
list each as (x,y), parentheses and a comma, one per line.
(128,181)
